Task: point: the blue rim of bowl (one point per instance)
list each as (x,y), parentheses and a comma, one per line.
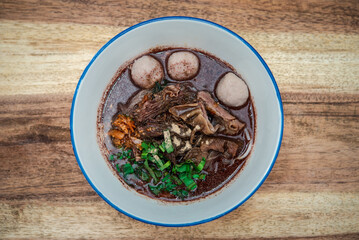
(159,20)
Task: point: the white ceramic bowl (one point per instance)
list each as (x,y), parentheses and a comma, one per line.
(178,32)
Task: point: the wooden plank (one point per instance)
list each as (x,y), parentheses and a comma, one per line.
(49,58)
(318,154)
(265,15)
(312,48)
(266,215)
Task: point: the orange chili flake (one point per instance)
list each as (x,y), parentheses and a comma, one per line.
(124,128)
(116,134)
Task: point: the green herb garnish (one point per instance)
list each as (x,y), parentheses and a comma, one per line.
(150,171)
(180,193)
(127,169)
(160,173)
(202,176)
(170,186)
(162,147)
(141,174)
(168,142)
(166,178)
(190,184)
(183,168)
(166,165)
(156,189)
(200,166)
(124,154)
(158,161)
(176,180)
(159,86)
(144,145)
(118,168)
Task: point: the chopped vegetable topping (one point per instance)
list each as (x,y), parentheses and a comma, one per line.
(156,189)
(141,174)
(180,193)
(168,143)
(168,163)
(156,169)
(124,129)
(200,166)
(202,176)
(162,147)
(127,169)
(190,184)
(150,171)
(159,86)
(124,154)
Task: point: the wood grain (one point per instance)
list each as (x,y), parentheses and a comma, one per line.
(270,215)
(320,132)
(265,15)
(54,56)
(312,187)
(312,48)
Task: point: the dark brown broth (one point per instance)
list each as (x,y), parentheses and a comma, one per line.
(211,69)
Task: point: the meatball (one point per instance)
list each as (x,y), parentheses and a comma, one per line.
(232,90)
(182,65)
(146,71)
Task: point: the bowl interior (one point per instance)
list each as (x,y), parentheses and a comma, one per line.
(177,32)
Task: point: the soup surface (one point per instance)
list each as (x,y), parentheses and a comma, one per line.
(176,124)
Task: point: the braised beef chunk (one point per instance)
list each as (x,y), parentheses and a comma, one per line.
(133,102)
(152,129)
(160,102)
(196,155)
(230,125)
(170,137)
(195,115)
(155,129)
(228,147)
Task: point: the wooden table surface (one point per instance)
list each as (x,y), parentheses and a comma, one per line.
(312,48)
